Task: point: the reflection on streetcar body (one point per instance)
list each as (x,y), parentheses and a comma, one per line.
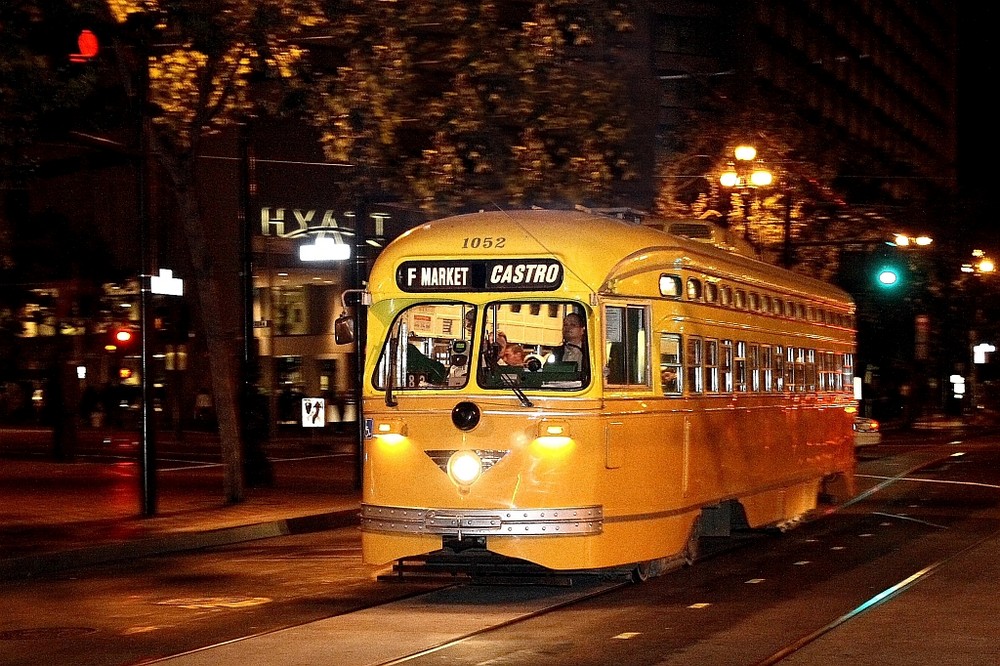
(583,392)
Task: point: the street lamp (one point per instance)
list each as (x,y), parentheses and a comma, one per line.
(745,176)
(902,240)
(980,264)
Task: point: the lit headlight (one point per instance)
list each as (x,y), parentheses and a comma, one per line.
(464,467)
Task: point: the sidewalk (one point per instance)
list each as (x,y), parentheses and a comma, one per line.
(59,515)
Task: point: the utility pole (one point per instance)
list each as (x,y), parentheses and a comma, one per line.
(147,451)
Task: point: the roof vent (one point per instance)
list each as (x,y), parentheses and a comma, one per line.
(696,230)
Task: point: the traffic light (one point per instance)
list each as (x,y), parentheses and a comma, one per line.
(120,338)
(888,276)
(87,45)
(888,269)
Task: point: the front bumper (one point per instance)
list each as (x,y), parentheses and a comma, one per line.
(576,521)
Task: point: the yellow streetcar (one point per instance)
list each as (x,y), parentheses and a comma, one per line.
(583,392)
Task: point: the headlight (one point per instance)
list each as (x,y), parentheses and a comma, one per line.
(464,467)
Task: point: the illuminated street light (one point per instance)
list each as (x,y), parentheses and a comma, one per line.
(980,264)
(745,153)
(746,179)
(902,240)
(729,177)
(761,178)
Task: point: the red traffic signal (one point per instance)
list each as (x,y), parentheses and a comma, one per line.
(88,45)
(120,337)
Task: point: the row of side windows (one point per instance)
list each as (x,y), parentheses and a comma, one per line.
(710,365)
(705,291)
(702,365)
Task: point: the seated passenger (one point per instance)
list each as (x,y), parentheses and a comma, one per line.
(574,337)
(668,380)
(512,354)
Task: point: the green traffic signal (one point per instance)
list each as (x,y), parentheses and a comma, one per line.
(887,277)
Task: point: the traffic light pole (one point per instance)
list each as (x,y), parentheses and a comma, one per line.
(147,450)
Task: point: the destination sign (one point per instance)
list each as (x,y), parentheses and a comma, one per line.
(480,275)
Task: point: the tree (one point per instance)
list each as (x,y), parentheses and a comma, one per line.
(458,105)
(444,103)
(823,191)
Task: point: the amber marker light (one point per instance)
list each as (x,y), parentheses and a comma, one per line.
(553,435)
(390,432)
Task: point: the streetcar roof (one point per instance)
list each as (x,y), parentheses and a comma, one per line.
(599,253)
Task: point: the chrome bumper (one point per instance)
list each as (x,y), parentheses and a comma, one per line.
(584,520)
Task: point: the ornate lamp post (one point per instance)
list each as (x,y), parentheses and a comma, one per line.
(745,175)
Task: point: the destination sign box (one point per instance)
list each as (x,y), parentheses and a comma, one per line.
(479,275)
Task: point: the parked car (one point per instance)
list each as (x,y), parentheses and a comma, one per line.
(866,431)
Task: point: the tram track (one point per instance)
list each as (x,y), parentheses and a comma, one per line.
(871,603)
(420,625)
(425,627)
(905,584)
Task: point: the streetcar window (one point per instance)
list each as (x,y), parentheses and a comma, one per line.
(754,300)
(779,369)
(809,356)
(828,375)
(753,365)
(765,304)
(847,370)
(694,289)
(795,369)
(427,347)
(790,369)
(711,292)
(695,365)
(670,363)
(740,367)
(726,296)
(767,368)
(712,366)
(726,366)
(627,346)
(534,345)
(741,299)
(670,286)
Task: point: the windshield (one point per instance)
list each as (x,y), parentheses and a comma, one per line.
(535,344)
(428,347)
(522,345)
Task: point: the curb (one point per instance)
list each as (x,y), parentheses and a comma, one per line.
(28,566)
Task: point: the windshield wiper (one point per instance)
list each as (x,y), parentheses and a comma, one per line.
(494,367)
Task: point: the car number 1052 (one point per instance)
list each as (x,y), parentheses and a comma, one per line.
(476,242)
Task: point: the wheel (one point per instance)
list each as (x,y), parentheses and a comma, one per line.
(642,572)
(691,549)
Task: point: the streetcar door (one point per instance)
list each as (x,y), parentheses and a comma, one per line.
(627,346)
